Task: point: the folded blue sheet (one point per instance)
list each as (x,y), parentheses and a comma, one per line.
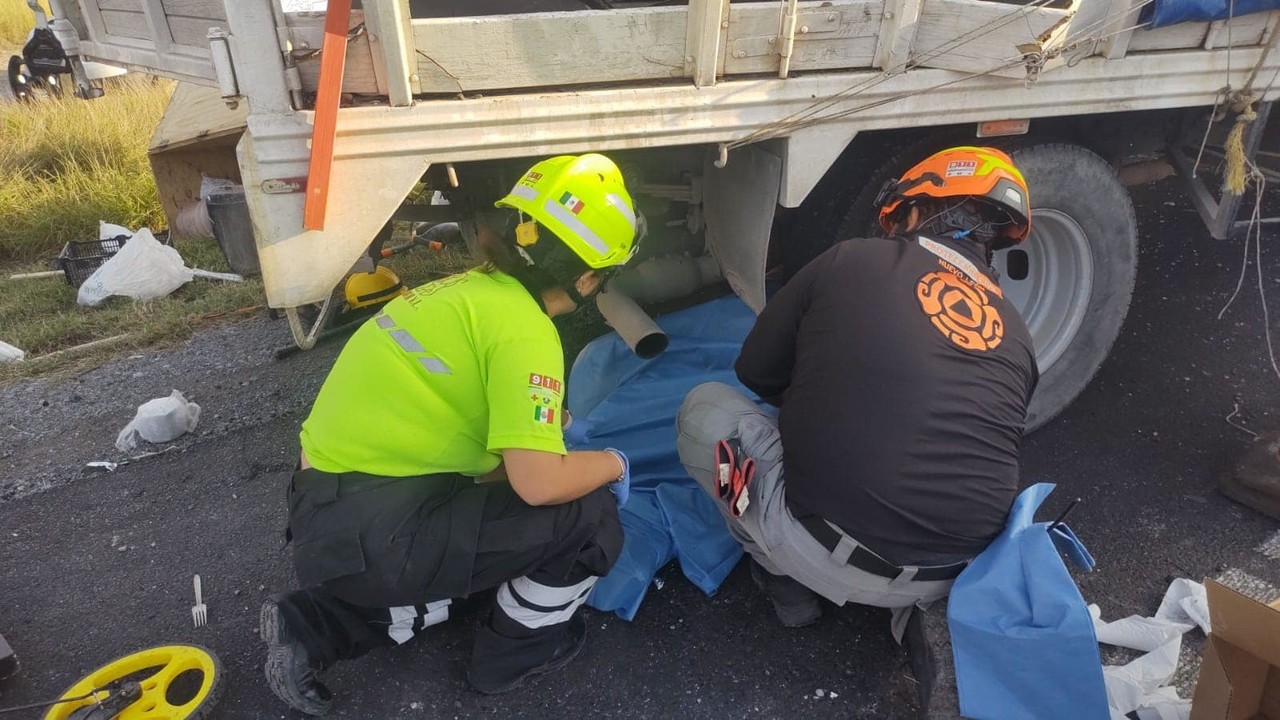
(618,400)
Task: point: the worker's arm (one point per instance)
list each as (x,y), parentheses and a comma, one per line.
(769,352)
(545,478)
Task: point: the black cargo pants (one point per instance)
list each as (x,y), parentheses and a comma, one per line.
(381,558)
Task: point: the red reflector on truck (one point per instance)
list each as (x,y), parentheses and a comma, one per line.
(998,128)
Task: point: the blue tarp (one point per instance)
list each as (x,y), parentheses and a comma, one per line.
(1171,12)
(1021,635)
(631,404)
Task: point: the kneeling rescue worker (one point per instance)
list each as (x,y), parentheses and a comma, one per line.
(903,376)
(433,463)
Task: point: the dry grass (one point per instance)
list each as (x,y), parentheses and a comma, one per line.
(69,163)
(16,22)
(41,316)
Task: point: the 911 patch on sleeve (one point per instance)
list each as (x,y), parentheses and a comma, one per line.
(545,382)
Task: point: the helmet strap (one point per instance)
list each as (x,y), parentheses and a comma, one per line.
(894,190)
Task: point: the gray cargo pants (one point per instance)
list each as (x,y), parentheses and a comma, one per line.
(767,530)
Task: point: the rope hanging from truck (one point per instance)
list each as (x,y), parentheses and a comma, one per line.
(1242,102)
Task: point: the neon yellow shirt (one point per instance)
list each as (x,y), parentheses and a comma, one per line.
(442,380)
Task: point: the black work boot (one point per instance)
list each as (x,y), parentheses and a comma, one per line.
(290,673)
(928,643)
(796,605)
(500,663)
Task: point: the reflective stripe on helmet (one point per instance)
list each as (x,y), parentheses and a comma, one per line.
(571,221)
(524,191)
(622,206)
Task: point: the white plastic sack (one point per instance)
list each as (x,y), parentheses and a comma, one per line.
(107,231)
(1143,684)
(160,420)
(143,269)
(9,353)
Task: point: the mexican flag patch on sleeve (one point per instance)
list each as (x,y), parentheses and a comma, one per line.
(544,415)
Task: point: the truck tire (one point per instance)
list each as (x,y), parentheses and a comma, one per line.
(1073,278)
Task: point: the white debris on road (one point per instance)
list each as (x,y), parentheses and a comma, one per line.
(1271,547)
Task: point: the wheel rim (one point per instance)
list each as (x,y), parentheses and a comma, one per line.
(168,662)
(1053,295)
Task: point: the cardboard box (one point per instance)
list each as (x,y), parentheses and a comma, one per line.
(1240,675)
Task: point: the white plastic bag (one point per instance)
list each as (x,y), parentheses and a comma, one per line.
(108,231)
(143,269)
(160,420)
(9,353)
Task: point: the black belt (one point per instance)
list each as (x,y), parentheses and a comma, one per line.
(864,559)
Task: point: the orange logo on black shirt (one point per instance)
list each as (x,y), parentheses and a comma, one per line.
(961,312)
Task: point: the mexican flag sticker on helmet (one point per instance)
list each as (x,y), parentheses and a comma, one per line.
(571,201)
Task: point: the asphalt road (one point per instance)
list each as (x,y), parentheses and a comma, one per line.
(100,565)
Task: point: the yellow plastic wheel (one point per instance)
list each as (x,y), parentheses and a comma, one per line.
(179,682)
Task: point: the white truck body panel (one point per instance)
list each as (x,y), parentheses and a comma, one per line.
(470,89)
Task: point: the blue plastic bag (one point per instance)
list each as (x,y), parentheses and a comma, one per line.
(1021,634)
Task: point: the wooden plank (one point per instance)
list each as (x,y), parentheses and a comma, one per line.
(359,76)
(1000,33)
(306,32)
(546,49)
(121,5)
(195,114)
(126,24)
(393,43)
(897,33)
(193,32)
(1245,30)
(160,33)
(580,48)
(843,35)
(704,40)
(187,68)
(325,123)
(1118,31)
(207,9)
(179,172)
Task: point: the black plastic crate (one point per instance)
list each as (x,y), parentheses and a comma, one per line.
(80,258)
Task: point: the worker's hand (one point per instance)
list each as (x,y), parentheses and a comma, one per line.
(621,488)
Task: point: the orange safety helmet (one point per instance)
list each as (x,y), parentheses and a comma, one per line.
(982,173)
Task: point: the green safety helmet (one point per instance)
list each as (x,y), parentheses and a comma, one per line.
(582,199)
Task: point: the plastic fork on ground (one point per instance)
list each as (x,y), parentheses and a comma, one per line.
(199,611)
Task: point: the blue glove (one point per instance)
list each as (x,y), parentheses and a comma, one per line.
(621,488)
(578,433)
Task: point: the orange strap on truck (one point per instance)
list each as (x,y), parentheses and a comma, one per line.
(333,61)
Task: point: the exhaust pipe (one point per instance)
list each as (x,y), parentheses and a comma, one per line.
(635,326)
(655,280)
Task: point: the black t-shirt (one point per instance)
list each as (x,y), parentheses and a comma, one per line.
(906,376)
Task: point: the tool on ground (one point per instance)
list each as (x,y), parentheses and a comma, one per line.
(183,678)
(734,473)
(199,611)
